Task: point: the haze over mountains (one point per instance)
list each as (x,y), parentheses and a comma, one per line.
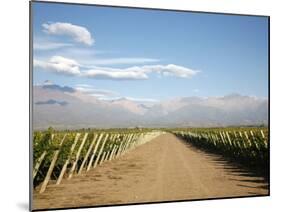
(65,107)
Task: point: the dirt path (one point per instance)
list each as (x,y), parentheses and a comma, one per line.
(163,169)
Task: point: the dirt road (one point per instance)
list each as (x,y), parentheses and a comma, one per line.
(164,169)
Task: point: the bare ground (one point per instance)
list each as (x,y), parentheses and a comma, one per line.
(162,170)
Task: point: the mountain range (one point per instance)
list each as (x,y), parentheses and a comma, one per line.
(64,107)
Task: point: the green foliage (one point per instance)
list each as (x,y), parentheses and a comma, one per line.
(51,141)
(248,146)
(41,142)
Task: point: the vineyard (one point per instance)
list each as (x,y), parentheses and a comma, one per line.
(248,146)
(59,155)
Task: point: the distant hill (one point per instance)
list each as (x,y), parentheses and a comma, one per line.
(65,107)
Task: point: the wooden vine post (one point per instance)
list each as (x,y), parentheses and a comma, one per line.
(52,166)
(94,152)
(77,156)
(68,159)
(87,154)
(100,152)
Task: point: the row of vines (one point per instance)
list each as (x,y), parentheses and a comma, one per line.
(248,146)
(60,155)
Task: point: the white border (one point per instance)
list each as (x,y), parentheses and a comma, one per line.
(14,45)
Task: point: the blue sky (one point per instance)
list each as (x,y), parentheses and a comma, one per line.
(128,51)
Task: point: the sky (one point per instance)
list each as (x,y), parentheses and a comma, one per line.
(149,54)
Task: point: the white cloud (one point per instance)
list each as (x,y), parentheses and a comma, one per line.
(86,55)
(123,60)
(114,74)
(59,65)
(78,33)
(87,89)
(141,99)
(64,65)
(139,72)
(99,96)
(50,45)
(109,95)
(133,99)
(83,54)
(170,70)
(83,85)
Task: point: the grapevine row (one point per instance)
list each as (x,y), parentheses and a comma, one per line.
(249,147)
(65,154)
